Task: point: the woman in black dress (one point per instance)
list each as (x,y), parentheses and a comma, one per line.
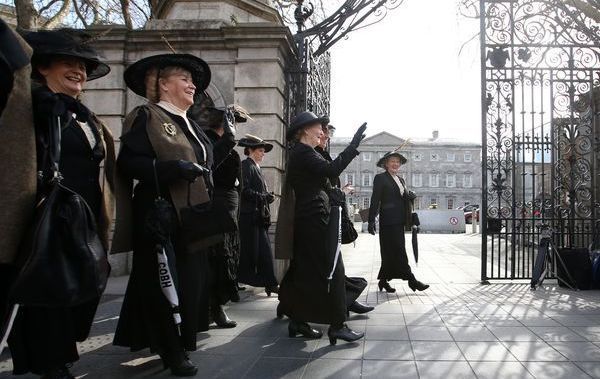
(313,289)
(256,260)
(43,340)
(161,144)
(392,201)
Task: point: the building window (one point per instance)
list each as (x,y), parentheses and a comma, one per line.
(417,180)
(432,201)
(366,156)
(434,157)
(434,180)
(450,180)
(450,157)
(350,178)
(417,157)
(468,157)
(365,203)
(366,179)
(450,203)
(468,181)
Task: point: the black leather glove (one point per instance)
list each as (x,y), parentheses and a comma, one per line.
(189,170)
(411,195)
(229,122)
(371,228)
(269,197)
(358,136)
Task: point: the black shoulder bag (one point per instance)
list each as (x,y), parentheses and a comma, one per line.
(65,263)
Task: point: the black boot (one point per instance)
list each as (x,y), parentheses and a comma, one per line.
(279,311)
(295,328)
(58,373)
(384,284)
(271,289)
(357,307)
(415,285)
(179,363)
(220,317)
(343,333)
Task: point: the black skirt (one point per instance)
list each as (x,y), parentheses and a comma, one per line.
(256,258)
(394,262)
(305,293)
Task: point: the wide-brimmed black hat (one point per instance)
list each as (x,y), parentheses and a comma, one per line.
(254,142)
(381,161)
(304,119)
(47,44)
(135,75)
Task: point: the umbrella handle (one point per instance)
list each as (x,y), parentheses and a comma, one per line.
(9,326)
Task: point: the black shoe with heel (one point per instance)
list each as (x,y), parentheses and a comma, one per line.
(58,373)
(415,285)
(295,328)
(221,319)
(271,289)
(179,363)
(279,311)
(343,333)
(385,285)
(359,308)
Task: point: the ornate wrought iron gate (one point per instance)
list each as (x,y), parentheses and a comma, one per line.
(541,127)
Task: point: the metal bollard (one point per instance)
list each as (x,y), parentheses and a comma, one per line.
(474,222)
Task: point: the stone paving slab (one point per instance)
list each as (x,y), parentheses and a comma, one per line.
(456,329)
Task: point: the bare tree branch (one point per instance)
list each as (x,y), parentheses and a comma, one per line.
(59,16)
(27,16)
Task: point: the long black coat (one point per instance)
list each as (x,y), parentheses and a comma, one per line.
(146,318)
(394,212)
(45,338)
(305,292)
(256,259)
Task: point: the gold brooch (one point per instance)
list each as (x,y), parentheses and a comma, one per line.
(170,129)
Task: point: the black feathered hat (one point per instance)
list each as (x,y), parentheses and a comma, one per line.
(48,44)
(135,75)
(304,119)
(381,161)
(254,142)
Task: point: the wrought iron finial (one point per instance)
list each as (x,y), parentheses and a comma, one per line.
(302,13)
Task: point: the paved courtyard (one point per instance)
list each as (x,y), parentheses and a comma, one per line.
(456,329)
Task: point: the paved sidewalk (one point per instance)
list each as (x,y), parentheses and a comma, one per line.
(456,329)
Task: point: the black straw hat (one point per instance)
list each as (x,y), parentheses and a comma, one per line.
(47,44)
(254,142)
(382,160)
(135,75)
(304,119)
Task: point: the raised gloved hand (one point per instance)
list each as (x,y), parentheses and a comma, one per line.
(371,228)
(229,121)
(411,195)
(189,170)
(359,136)
(269,197)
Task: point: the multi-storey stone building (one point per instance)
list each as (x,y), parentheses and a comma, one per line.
(445,172)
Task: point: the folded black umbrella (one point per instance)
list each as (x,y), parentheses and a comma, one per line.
(415,243)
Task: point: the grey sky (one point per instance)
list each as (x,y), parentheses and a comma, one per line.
(404,74)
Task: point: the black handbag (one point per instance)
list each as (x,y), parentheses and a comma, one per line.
(264,214)
(65,262)
(349,233)
(201,221)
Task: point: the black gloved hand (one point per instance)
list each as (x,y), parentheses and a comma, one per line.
(371,228)
(189,170)
(269,197)
(229,122)
(359,136)
(411,195)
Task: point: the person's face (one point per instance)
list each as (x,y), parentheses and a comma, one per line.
(257,154)
(392,165)
(312,135)
(178,89)
(324,139)
(65,75)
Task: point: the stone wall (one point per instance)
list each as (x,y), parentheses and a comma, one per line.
(247,54)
